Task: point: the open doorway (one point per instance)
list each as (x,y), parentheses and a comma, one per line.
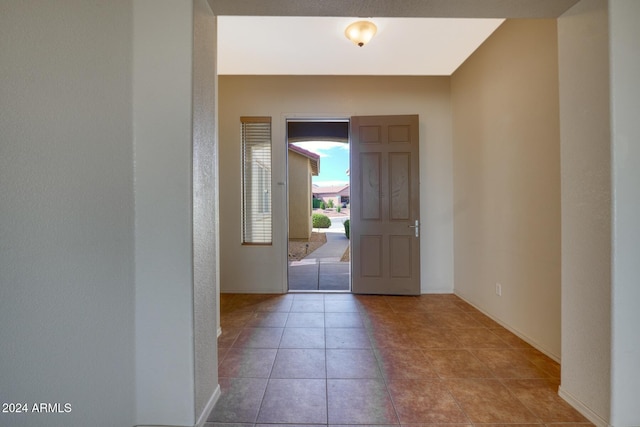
(318,205)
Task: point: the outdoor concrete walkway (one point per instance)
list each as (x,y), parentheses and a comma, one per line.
(322,269)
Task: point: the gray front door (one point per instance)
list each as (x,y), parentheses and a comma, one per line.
(385,205)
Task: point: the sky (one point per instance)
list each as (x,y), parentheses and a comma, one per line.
(334,161)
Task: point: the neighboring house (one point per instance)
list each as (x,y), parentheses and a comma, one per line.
(339,194)
(303,165)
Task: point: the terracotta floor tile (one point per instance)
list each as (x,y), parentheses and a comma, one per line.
(465,306)
(307,306)
(240,400)
(372,303)
(360,401)
(303,338)
(484,320)
(352,425)
(424,401)
(340,296)
(226,303)
(543,362)
(343,320)
(437,425)
(453,320)
(405,304)
(299,363)
(347,338)
(489,401)
(313,359)
(352,364)
(228,336)
(383,321)
(430,337)
(227,425)
(457,364)
(509,363)
(240,302)
(264,319)
(288,425)
(305,320)
(510,338)
(317,296)
(569,425)
(408,320)
(301,401)
(391,338)
(222,352)
(248,363)
(258,338)
(235,319)
(280,303)
(541,397)
(479,338)
(251,302)
(512,425)
(439,304)
(340,306)
(405,364)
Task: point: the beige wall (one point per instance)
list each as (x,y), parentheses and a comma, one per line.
(506,162)
(263,269)
(299,186)
(586,207)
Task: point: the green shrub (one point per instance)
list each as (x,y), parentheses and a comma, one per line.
(330,203)
(323,205)
(346,228)
(321,221)
(338,208)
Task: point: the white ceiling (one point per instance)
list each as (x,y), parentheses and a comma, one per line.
(294,45)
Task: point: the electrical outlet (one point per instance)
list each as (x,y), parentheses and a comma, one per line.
(498,289)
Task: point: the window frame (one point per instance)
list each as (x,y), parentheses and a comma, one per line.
(256,156)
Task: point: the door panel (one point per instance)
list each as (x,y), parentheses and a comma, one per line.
(370,194)
(370,256)
(399,186)
(385,183)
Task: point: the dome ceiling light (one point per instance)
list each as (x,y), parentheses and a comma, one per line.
(361,32)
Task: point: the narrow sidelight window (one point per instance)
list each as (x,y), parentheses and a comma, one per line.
(256,180)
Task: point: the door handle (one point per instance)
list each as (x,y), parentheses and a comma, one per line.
(417,227)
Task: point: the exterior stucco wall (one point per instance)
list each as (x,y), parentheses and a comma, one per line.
(299,196)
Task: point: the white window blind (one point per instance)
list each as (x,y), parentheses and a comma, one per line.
(256,180)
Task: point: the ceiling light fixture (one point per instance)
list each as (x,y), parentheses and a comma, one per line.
(361,32)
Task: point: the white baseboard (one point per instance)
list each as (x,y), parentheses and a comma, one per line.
(208,407)
(202,419)
(582,408)
(447,290)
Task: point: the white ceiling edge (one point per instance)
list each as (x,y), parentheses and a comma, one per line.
(395,8)
(250,45)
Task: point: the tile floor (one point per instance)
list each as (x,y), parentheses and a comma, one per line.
(342,359)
